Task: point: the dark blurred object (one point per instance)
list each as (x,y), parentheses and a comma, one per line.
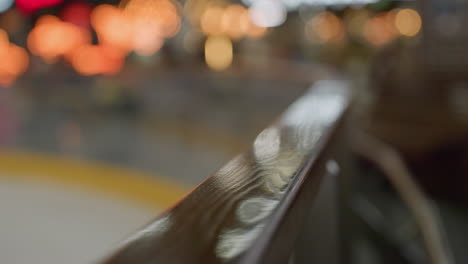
(422,100)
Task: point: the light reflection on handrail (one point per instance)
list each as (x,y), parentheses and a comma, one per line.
(234,215)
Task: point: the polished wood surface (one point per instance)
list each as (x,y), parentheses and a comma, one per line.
(251,210)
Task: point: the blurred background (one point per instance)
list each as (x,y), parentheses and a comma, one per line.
(162,93)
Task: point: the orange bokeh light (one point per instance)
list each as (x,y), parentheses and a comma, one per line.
(325,27)
(112,27)
(140,25)
(51,38)
(159,16)
(88,60)
(380,29)
(14,62)
(97,59)
(3,39)
(232,23)
(18,59)
(210,21)
(146,42)
(250,28)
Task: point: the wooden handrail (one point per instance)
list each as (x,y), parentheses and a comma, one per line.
(252,209)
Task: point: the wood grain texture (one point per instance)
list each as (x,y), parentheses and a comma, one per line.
(251,210)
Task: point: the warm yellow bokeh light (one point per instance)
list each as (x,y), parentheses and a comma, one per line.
(210,21)
(379,30)
(232,23)
(139,25)
(325,27)
(112,27)
(218,52)
(408,22)
(147,41)
(158,16)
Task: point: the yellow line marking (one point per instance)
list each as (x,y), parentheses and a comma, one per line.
(132,185)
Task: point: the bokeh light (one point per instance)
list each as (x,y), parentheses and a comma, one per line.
(210,21)
(5,5)
(88,60)
(146,42)
(52,38)
(4,41)
(139,25)
(408,22)
(232,23)
(112,27)
(18,59)
(14,60)
(251,29)
(157,16)
(268,13)
(29,6)
(218,52)
(256,32)
(97,59)
(380,29)
(325,27)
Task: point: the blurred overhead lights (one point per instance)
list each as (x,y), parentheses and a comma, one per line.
(140,25)
(325,27)
(218,52)
(408,22)
(210,21)
(252,30)
(146,43)
(97,59)
(158,16)
(380,29)
(52,38)
(112,27)
(294,4)
(233,21)
(268,13)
